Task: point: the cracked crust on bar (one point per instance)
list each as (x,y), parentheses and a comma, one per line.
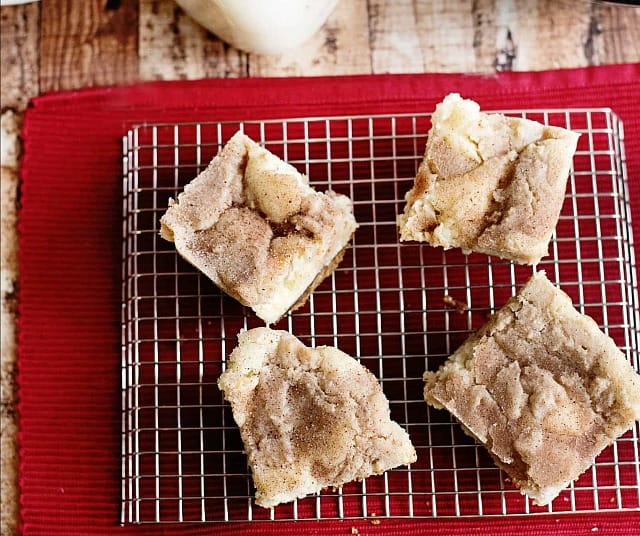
(541,387)
(310,418)
(488,183)
(254,226)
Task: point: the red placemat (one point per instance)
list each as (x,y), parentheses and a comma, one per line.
(70,244)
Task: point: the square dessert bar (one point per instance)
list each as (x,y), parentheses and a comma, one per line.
(488,183)
(310,418)
(541,387)
(254,226)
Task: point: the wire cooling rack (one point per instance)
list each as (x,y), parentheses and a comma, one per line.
(182,456)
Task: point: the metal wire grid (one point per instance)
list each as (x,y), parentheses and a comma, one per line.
(182,455)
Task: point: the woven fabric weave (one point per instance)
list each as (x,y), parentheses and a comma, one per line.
(70,270)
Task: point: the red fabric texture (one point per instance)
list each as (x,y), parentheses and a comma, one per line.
(70,270)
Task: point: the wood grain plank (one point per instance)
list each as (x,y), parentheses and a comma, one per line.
(19,75)
(88,43)
(552,36)
(10,126)
(19,66)
(9,179)
(488,56)
(487,35)
(614,35)
(506,35)
(395,46)
(522,35)
(173,46)
(341,46)
(450,34)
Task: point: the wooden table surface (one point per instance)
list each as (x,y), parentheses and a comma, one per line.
(65,44)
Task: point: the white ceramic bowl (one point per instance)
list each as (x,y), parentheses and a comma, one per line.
(261,26)
(15,2)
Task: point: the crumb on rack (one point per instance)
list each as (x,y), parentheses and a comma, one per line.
(355,531)
(460,306)
(374,521)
